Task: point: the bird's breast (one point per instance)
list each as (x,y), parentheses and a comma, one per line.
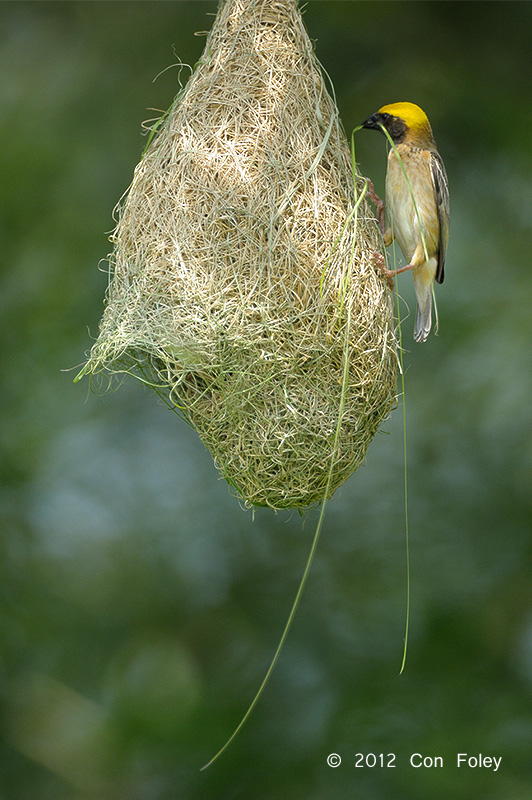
(407,218)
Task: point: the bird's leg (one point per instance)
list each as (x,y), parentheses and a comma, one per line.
(403,269)
(378,203)
(390,274)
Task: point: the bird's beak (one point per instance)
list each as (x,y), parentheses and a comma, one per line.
(372,122)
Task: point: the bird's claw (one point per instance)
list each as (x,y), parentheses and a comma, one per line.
(378,203)
(380,264)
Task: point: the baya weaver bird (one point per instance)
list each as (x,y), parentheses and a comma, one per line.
(419,213)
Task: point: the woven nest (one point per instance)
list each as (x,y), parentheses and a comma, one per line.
(243,285)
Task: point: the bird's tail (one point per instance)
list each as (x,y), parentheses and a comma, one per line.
(423,321)
(423,287)
(423,282)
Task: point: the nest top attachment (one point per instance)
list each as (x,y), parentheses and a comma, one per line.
(242,285)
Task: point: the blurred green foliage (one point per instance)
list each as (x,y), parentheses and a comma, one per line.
(140,604)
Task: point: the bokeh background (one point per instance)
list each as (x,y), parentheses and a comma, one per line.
(140,605)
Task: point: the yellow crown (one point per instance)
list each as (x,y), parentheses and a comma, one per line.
(413,116)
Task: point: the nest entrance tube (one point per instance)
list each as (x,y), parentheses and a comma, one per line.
(242,277)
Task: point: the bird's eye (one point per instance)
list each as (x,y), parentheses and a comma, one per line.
(385,117)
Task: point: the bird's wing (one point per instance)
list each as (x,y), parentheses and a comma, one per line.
(441,191)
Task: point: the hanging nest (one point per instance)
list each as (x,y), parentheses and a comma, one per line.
(243,284)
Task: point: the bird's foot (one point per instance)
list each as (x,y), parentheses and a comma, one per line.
(380,264)
(378,203)
(390,274)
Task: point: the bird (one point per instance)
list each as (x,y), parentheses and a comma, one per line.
(421,228)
